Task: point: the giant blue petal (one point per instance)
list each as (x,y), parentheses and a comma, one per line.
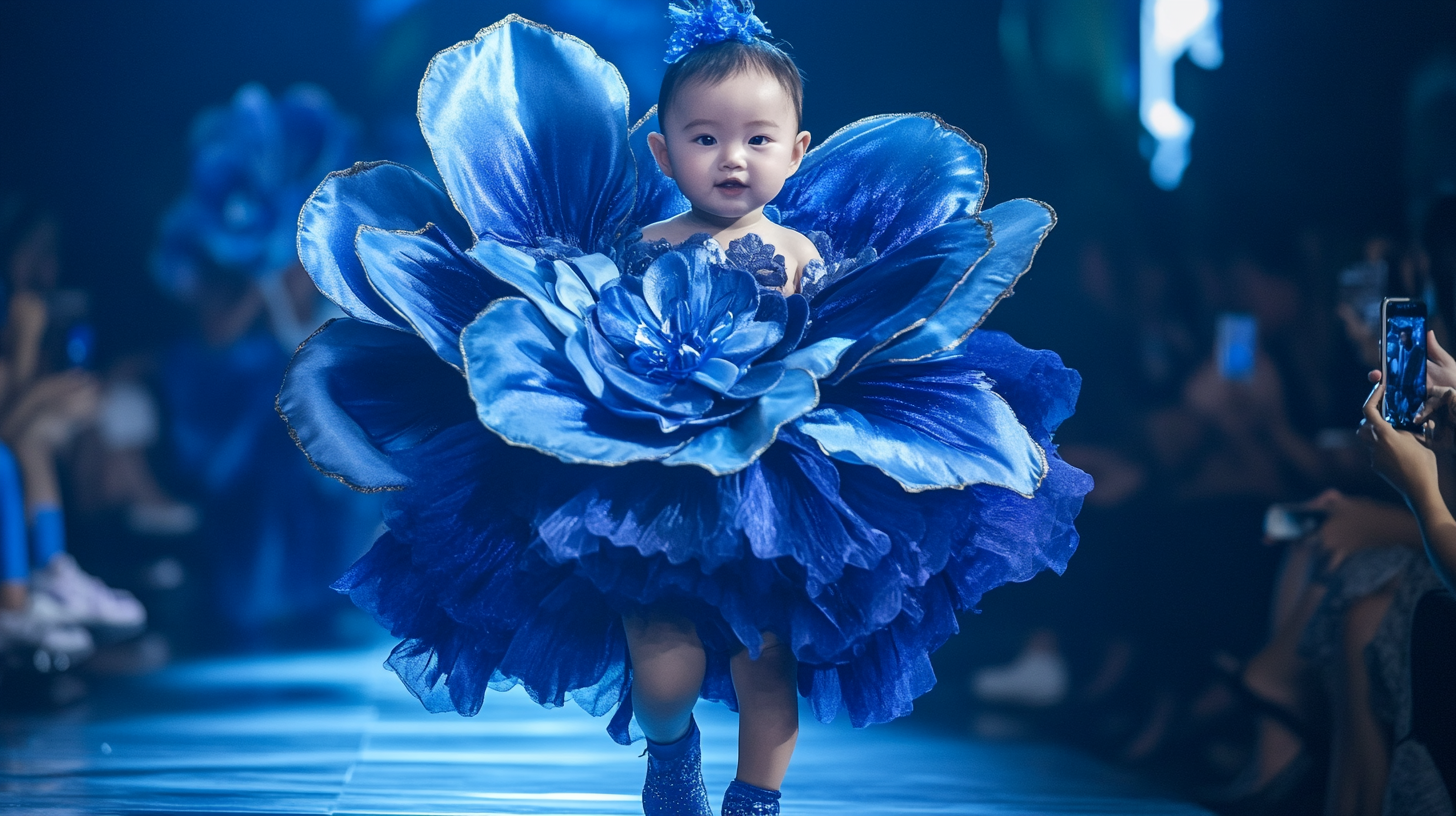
(379,194)
(434,286)
(876,303)
(733,446)
(928,426)
(534,279)
(819,359)
(528,392)
(658,197)
(1017,229)
(356,394)
(528,128)
(882,181)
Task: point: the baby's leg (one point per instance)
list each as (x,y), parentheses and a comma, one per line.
(768,713)
(667,673)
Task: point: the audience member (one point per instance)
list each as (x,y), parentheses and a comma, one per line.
(46,600)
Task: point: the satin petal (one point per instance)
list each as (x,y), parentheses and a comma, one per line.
(356,394)
(928,426)
(571,291)
(717,374)
(533,279)
(819,358)
(528,128)
(882,181)
(597,270)
(796,323)
(751,340)
(1018,228)
(528,392)
(434,286)
(877,303)
(732,447)
(759,379)
(378,194)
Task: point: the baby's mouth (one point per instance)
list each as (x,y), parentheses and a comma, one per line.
(731,184)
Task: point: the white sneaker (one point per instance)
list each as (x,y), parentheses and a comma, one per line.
(85,600)
(1036,679)
(43,625)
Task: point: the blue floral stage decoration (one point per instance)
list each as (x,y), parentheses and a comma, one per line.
(252,164)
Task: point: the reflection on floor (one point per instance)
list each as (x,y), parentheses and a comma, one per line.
(334,733)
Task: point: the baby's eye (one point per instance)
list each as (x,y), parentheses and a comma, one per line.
(705,140)
(758,140)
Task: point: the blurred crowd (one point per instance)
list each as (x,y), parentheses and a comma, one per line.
(1252,606)
(150,497)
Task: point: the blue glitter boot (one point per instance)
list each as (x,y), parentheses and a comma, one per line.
(743,799)
(674,784)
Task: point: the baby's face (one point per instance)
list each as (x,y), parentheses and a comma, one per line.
(730,146)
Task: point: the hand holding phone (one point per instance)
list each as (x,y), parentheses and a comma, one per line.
(1403,363)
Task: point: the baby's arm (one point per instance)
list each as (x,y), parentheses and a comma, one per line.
(798,252)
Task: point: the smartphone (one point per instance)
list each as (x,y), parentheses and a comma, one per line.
(1403,366)
(1237,340)
(1291,522)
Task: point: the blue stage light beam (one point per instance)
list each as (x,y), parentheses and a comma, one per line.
(1170,29)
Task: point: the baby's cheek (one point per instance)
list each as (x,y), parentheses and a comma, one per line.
(771,191)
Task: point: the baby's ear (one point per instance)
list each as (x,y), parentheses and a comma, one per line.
(801,146)
(657,143)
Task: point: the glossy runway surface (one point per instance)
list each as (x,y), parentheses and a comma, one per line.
(334,733)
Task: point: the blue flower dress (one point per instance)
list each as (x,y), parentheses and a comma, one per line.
(572,425)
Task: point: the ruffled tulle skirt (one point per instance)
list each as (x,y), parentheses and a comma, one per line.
(505,567)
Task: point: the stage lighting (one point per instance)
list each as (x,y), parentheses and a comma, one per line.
(1170,29)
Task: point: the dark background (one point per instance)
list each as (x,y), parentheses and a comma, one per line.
(1302,125)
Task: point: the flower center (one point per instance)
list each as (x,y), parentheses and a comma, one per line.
(675,348)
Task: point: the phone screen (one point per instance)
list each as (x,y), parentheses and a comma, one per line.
(1238,336)
(1405,361)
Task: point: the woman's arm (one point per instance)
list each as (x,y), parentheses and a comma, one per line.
(1408,463)
(1438,529)
(28,316)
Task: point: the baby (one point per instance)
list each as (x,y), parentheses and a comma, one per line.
(729,114)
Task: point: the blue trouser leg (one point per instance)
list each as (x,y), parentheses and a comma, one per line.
(47,534)
(14,558)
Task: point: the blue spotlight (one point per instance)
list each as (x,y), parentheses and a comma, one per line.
(1170,29)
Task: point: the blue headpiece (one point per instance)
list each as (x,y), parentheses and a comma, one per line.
(703,22)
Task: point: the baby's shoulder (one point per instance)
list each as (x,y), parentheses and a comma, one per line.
(673,230)
(792,244)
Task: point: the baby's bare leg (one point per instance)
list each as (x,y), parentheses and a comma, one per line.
(667,673)
(768,713)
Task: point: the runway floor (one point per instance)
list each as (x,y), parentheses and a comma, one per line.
(333,733)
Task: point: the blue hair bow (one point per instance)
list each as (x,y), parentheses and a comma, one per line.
(703,22)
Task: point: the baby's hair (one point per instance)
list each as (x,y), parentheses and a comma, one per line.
(714,63)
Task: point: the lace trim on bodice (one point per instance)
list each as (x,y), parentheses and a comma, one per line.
(748,253)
